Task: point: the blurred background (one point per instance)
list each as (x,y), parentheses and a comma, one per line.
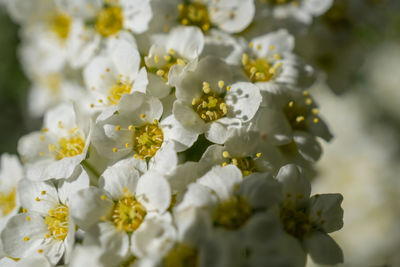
(356,45)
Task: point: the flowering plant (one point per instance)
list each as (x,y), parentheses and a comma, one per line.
(170,137)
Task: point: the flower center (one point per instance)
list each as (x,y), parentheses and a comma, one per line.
(57,221)
(259,69)
(60,25)
(295,221)
(182,255)
(209,106)
(109,21)
(148,140)
(7,201)
(232,213)
(117,91)
(245,164)
(171,58)
(128,214)
(68,147)
(195,14)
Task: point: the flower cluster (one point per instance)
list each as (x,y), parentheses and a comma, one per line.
(170,137)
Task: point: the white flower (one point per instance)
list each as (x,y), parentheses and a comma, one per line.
(34,261)
(111,19)
(231,16)
(139,130)
(269,62)
(124,202)
(45,226)
(170,56)
(301,11)
(114,74)
(244,149)
(291,120)
(57,150)
(208,100)
(310,219)
(10,173)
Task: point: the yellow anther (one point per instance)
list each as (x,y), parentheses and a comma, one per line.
(316,120)
(299,119)
(271,47)
(181,7)
(277,57)
(115,150)
(43,192)
(40,251)
(127,145)
(259,47)
(315,111)
(224,164)
(142,116)
(251,44)
(221,84)
(309,101)
(136,156)
(37,199)
(100,100)
(156,59)
(167,57)
(206,90)
(41,153)
(26,239)
(203,116)
(245,59)
(124,189)
(194,101)
(117,128)
(47,236)
(131,128)
(259,155)
(180,61)
(171,51)
(103,197)
(28,218)
(42,138)
(226,154)
(103,218)
(305,93)
(253,70)
(228,88)
(291,104)
(91,105)
(235,161)
(24,210)
(160,73)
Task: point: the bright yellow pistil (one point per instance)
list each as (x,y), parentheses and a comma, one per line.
(195,14)
(128,213)
(117,91)
(295,221)
(182,255)
(232,213)
(109,21)
(209,106)
(7,202)
(259,69)
(148,140)
(68,147)
(57,222)
(60,25)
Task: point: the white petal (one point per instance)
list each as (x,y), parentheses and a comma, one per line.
(242,10)
(294,182)
(120,177)
(217,132)
(243,100)
(154,192)
(189,119)
(126,59)
(165,160)
(282,42)
(87,207)
(29,192)
(66,188)
(187,41)
(137,14)
(132,106)
(173,130)
(308,146)
(325,210)
(323,249)
(222,180)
